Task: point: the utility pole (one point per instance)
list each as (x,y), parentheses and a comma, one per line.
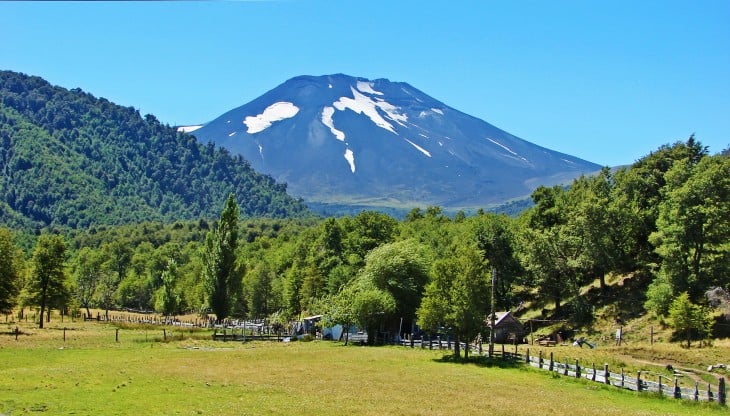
(492,317)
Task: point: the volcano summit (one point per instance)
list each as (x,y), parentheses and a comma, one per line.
(338,139)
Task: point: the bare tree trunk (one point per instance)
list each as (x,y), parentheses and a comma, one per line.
(43,308)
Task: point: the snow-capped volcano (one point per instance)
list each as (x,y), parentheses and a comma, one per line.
(340,139)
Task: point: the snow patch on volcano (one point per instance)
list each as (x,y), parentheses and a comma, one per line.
(362,104)
(273,113)
(327,113)
(350,157)
(420,149)
(506,148)
(188,129)
(367,88)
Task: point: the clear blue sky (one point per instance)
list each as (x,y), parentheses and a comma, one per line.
(608,81)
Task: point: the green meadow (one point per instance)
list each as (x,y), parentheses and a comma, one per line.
(184,372)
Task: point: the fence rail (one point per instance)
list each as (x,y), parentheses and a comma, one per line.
(642,381)
(659,384)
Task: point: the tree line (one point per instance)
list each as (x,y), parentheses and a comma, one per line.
(659,227)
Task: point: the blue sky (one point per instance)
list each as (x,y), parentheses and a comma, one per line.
(607,81)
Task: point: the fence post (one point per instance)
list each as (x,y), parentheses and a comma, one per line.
(527,356)
(606,375)
(164,334)
(677,390)
(565,370)
(638,381)
(577,369)
(721,393)
(660,385)
(710,398)
(411,339)
(539,359)
(622,377)
(552,364)
(64,334)
(116,335)
(423,345)
(651,336)
(593,376)
(697,391)
(17,332)
(503,357)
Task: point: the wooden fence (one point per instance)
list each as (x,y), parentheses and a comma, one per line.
(642,381)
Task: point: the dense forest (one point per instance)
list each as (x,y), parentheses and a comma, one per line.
(69,159)
(662,225)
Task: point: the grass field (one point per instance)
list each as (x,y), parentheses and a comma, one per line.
(188,374)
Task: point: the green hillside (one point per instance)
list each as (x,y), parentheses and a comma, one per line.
(70,159)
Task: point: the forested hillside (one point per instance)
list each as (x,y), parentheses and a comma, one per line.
(70,159)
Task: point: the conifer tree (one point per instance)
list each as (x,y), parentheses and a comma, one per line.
(222,282)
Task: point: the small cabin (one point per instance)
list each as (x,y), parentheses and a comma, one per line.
(508,329)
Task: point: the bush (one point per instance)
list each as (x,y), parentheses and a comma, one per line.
(659,296)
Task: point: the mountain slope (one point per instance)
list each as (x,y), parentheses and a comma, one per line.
(337,139)
(70,159)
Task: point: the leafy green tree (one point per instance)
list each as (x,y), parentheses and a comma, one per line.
(693,227)
(106,289)
(119,252)
(338,309)
(399,269)
(686,317)
(259,289)
(641,191)
(548,248)
(48,279)
(457,297)
(368,230)
(10,269)
(87,270)
(222,281)
(370,306)
(167,297)
(599,224)
(497,241)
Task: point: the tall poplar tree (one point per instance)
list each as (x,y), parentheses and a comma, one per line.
(222,282)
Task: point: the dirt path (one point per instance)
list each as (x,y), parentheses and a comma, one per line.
(691,373)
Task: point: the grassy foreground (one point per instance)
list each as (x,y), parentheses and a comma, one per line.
(91,374)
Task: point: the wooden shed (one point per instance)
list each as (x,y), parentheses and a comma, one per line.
(508,328)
